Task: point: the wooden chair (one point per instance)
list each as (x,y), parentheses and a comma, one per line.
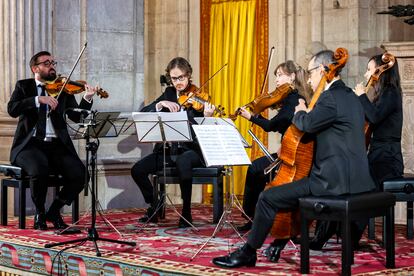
(16,178)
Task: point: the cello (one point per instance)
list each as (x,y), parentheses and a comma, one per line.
(296,155)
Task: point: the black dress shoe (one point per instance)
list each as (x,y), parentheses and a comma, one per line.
(272,253)
(184,224)
(238,258)
(246,227)
(56,220)
(150,216)
(40,222)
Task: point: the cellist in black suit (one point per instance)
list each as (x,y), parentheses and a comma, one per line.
(340,164)
(40,144)
(185,156)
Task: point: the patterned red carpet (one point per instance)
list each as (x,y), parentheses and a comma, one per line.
(164,249)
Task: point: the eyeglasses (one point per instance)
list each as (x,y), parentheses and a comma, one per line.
(47,63)
(309,72)
(179,78)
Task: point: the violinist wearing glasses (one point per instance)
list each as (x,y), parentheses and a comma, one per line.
(42,145)
(184,156)
(287,73)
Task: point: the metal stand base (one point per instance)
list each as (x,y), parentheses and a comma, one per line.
(231,200)
(101,214)
(92,236)
(160,206)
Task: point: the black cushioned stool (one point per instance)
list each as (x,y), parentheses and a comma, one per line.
(345,209)
(16,178)
(403,189)
(212,175)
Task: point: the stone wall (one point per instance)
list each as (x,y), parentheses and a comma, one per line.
(114,59)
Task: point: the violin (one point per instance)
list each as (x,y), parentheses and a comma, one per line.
(72,87)
(265,100)
(193,97)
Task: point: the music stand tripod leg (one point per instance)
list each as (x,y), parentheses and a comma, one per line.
(226,213)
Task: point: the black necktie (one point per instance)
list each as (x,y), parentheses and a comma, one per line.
(41,122)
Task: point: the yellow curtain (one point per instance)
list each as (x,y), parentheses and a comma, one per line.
(235,32)
(232,41)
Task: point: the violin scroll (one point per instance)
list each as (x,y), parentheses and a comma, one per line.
(389,61)
(341,57)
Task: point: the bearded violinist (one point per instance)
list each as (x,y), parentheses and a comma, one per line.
(185,156)
(43,146)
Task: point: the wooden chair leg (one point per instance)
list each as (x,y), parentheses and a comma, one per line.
(3,203)
(304,246)
(75,209)
(217,200)
(371,229)
(22,205)
(346,247)
(409,220)
(390,238)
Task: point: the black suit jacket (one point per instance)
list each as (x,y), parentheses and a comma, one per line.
(170,94)
(22,104)
(340,164)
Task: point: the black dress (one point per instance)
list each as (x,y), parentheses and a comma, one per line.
(255,177)
(385,116)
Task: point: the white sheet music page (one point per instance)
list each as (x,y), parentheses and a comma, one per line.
(221,145)
(151,126)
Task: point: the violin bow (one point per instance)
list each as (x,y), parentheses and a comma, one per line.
(73,69)
(204,84)
(269,61)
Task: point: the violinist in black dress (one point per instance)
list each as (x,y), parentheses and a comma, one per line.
(291,73)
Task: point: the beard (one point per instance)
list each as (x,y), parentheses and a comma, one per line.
(49,76)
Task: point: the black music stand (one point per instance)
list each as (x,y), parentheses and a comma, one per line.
(163,127)
(221,146)
(97,126)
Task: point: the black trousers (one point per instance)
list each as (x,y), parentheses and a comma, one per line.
(284,197)
(38,159)
(185,162)
(255,183)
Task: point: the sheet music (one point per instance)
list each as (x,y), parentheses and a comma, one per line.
(221,145)
(221,121)
(151,126)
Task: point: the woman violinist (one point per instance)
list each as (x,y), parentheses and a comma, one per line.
(291,73)
(385,116)
(184,156)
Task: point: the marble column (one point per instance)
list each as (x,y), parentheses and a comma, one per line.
(24,29)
